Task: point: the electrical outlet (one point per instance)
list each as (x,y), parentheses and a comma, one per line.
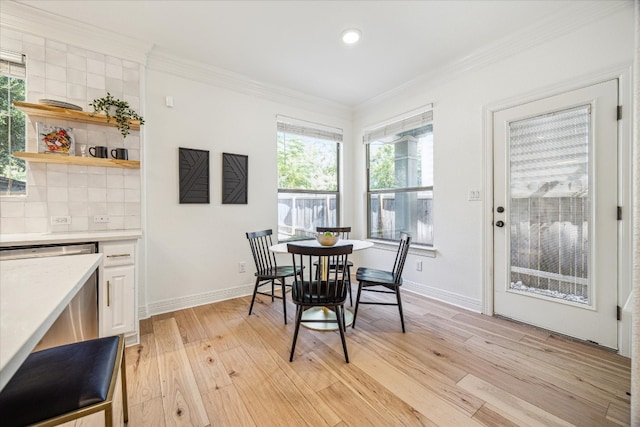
(418,265)
(60,220)
(101,218)
(242,267)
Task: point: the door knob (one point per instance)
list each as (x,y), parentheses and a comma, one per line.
(499,224)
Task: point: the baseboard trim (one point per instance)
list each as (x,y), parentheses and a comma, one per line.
(444,296)
(169,305)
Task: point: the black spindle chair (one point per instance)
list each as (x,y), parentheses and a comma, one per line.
(326,287)
(344,233)
(391,280)
(267,269)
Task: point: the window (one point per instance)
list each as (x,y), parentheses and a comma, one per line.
(308,177)
(400,178)
(12,124)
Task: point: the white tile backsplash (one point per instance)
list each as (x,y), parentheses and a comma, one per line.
(35,209)
(12,225)
(36,225)
(57,179)
(96,81)
(97,181)
(116,209)
(115,181)
(13,209)
(71,74)
(55,89)
(56,57)
(97,195)
(54,72)
(78,195)
(57,194)
(35,69)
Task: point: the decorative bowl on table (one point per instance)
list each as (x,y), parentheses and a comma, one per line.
(328,238)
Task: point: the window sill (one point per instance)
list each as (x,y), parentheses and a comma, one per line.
(421,250)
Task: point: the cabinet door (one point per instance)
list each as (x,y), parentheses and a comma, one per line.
(117,311)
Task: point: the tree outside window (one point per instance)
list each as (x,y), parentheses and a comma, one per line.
(307,180)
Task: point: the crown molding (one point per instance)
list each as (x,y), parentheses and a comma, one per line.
(526,38)
(26,19)
(163,61)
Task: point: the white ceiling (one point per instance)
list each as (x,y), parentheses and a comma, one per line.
(296,44)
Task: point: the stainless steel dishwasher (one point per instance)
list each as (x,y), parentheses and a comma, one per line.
(79,320)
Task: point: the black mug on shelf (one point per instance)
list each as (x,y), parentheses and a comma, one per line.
(120,153)
(99,151)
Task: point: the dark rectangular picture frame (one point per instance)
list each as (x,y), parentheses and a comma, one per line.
(235,168)
(193,175)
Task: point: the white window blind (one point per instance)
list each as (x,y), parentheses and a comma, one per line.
(548,152)
(12,64)
(292,126)
(400,125)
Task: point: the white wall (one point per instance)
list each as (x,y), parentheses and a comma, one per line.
(193,250)
(461,97)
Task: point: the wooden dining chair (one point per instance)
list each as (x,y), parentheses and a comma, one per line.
(344,233)
(267,268)
(325,287)
(389,281)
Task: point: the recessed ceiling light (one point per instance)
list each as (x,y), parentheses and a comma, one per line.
(351,36)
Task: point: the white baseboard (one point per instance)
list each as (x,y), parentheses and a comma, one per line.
(181,303)
(444,296)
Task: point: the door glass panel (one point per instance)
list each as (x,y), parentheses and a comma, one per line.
(550,205)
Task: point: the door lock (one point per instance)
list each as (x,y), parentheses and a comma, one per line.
(500,209)
(500,224)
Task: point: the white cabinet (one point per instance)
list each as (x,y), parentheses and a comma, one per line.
(117,294)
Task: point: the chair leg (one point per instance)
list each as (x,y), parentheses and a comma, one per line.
(349,282)
(253,298)
(355,310)
(340,318)
(284,299)
(108,415)
(295,333)
(123,379)
(400,307)
(273,290)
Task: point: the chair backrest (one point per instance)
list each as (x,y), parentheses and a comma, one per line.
(343,231)
(401,256)
(326,284)
(260,241)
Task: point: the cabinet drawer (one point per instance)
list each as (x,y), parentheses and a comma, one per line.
(118,253)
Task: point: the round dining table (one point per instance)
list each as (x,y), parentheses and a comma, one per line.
(323,313)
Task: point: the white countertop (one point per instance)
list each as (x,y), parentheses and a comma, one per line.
(71,237)
(33,293)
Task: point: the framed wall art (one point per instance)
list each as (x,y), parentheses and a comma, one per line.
(55,139)
(234,179)
(193,175)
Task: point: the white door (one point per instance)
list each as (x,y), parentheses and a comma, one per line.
(555,213)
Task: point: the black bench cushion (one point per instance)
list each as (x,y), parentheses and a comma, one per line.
(59,380)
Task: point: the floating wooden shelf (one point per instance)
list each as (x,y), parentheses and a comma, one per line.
(48,111)
(77,160)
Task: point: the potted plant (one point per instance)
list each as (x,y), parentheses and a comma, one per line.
(115,108)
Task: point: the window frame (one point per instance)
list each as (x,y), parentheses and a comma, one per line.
(14,67)
(338,151)
(405,122)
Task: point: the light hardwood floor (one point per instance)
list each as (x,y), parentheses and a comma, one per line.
(215,365)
